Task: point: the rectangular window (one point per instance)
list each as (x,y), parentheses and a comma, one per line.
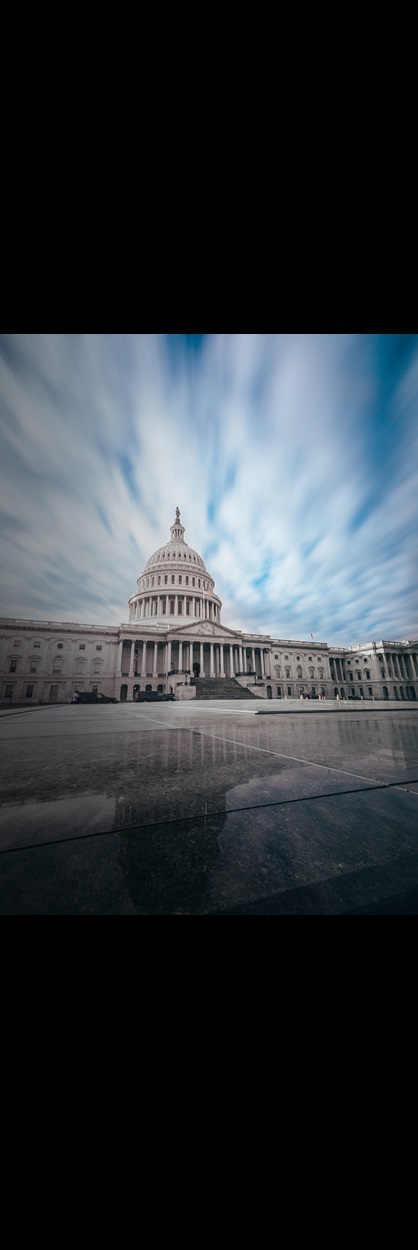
(289,688)
(29,692)
(12,666)
(98,648)
(16,643)
(81,646)
(367,674)
(36,644)
(53,694)
(79,666)
(8,691)
(33,666)
(361,690)
(94,689)
(57,666)
(96,668)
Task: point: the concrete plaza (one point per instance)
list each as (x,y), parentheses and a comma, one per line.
(217,808)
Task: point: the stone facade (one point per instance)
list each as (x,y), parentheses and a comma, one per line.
(174,633)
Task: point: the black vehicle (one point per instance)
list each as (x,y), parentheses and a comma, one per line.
(153,696)
(90,696)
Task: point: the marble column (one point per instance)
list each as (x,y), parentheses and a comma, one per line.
(168,657)
(180,656)
(155,663)
(263,673)
(212,665)
(144,660)
(131,660)
(202,669)
(176,605)
(253,659)
(222,658)
(120,649)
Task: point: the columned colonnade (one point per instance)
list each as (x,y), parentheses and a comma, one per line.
(197,607)
(403,666)
(155,658)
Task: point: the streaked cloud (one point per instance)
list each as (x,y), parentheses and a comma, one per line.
(293,460)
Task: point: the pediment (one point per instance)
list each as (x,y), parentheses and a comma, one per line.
(205,629)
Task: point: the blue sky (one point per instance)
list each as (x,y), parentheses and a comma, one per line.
(293,460)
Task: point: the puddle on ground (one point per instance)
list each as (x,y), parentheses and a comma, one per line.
(31,823)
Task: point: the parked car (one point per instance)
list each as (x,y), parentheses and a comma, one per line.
(90,696)
(153,696)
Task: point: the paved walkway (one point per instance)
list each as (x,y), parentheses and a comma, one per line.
(209,809)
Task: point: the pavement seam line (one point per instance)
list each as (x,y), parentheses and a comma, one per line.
(204,816)
(280,755)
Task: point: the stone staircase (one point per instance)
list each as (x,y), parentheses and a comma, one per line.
(221,688)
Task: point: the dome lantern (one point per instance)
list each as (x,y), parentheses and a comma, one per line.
(177,529)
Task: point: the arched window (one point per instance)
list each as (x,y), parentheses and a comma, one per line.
(311,672)
(172,578)
(288,672)
(187,581)
(385,692)
(299,670)
(320,672)
(180,580)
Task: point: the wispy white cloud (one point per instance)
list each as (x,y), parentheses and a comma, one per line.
(293,460)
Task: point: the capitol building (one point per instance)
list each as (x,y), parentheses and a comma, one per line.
(175,641)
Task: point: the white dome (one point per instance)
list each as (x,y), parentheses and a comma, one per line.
(162,578)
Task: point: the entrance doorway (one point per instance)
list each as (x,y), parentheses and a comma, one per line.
(123,693)
(269,695)
(196,669)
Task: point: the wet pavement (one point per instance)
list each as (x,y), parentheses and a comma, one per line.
(209,809)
